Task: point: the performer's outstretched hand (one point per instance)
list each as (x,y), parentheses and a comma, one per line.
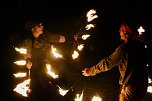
(29,65)
(85,71)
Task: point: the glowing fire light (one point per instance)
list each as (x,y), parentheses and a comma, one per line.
(20,62)
(48,66)
(20,74)
(141,30)
(149,80)
(75,54)
(79,97)
(84,37)
(55,53)
(149,89)
(91,15)
(23,88)
(95,98)
(61,91)
(80,47)
(89,26)
(21,50)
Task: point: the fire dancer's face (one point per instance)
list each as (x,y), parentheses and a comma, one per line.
(123,36)
(37,30)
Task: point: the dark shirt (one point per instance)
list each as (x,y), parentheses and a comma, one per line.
(39,49)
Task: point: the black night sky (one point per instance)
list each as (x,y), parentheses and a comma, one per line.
(67,17)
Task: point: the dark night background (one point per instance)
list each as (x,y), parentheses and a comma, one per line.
(67,17)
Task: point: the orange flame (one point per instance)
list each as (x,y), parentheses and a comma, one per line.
(79,97)
(48,66)
(91,15)
(95,98)
(55,53)
(21,50)
(20,62)
(22,88)
(62,92)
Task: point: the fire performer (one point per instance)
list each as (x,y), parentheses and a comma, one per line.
(131,59)
(38,46)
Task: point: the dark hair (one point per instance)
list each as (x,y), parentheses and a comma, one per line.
(31,23)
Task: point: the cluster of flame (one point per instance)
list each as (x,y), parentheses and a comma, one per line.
(91,15)
(24,87)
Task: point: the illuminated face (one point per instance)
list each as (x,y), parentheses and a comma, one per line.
(123,36)
(37,30)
